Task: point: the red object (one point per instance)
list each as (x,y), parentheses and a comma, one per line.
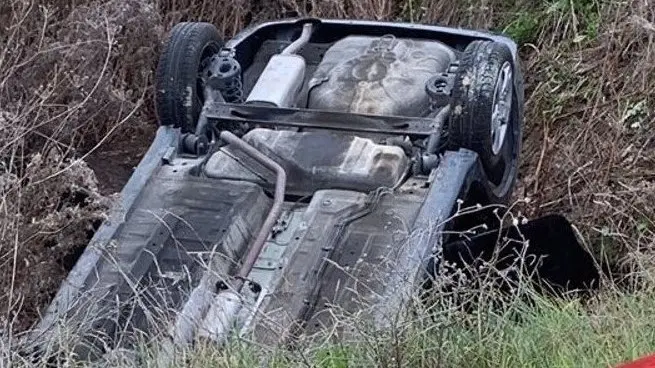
(644,362)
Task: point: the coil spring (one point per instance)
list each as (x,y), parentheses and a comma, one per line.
(228,77)
(232,90)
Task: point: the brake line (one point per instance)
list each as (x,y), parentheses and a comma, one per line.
(274,213)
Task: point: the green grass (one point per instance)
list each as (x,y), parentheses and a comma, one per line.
(524,28)
(559,334)
(526,23)
(611,328)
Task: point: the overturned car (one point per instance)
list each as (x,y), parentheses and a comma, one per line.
(302,165)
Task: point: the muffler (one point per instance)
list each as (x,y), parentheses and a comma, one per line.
(282,79)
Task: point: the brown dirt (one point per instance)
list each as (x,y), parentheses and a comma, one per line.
(78,79)
(114,163)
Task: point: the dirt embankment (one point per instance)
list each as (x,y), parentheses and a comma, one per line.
(75,92)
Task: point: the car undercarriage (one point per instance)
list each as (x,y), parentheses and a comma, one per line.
(300,167)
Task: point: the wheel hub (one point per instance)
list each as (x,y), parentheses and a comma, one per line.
(502,105)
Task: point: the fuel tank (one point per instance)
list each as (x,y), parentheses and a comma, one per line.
(314,161)
(378,75)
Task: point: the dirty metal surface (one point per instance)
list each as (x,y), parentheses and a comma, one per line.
(450,181)
(314,161)
(223,114)
(339,246)
(357,271)
(378,75)
(312,53)
(180,227)
(315,238)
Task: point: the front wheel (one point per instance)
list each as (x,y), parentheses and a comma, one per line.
(485,114)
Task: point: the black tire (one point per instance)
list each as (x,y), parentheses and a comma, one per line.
(189,44)
(470,122)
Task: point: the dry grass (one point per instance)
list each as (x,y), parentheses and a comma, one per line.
(589,147)
(69,82)
(76,75)
(523,329)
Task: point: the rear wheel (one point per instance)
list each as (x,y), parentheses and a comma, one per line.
(179,88)
(485,116)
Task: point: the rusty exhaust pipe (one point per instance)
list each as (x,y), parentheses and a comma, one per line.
(273,215)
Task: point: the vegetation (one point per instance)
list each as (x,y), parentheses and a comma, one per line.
(549,333)
(76,114)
